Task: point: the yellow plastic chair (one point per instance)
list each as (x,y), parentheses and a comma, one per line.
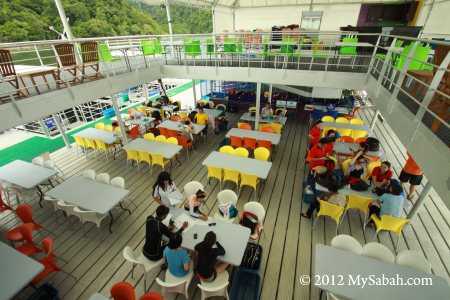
(389,223)
(223,106)
(117,129)
(149,136)
(345,165)
(262,153)
(158,159)
(356,134)
(333,211)
(359,203)
(132,155)
(79,142)
(282,110)
(326,129)
(334,160)
(226,149)
(183,114)
(241,152)
(344,131)
(161,138)
(231,175)
(372,166)
(277,127)
(252,108)
(357,121)
(217,173)
(102,146)
(327,119)
(145,157)
(108,127)
(342,120)
(172,141)
(90,144)
(249,180)
(143,110)
(100,125)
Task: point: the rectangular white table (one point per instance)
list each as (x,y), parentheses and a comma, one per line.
(108,137)
(348,126)
(214,113)
(238,163)
(172,125)
(346,190)
(247,117)
(16,271)
(232,237)
(346,270)
(90,195)
(144,121)
(274,138)
(341,110)
(344,148)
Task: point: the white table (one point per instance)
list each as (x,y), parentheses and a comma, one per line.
(346,190)
(172,125)
(98,296)
(348,126)
(247,117)
(274,138)
(143,121)
(341,110)
(214,113)
(16,271)
(90,195)
(166,150)
(108,137)
(232,237)
(344,148)
(341,266)
(238,163)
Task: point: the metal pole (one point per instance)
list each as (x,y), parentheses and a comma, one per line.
(270,93)
(213,14)
(169,21)
(62,15)
(194,92)
(61,130)
(44,127)
(119,118)
(374,120)
(234,19)
(419,202)
(258,104)
(145,88)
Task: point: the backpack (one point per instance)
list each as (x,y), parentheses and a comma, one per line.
(250,220)
(373,144)
(252,256)
(359,185)
(228,210)
(340,178)
(192,115)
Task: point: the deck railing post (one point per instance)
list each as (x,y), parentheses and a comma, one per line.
(374,120)
(419,202)
(119,118)
(61,130)
(258,104)
(385,66)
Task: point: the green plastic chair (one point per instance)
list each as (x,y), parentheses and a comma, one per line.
(398,43)
(104,54)
(229,46)
(420,55)
(158,47)
(348,51)
(187,46)
(148,47)
(240,48)
(285,49)
(298,53)
(210,47)
(319,53)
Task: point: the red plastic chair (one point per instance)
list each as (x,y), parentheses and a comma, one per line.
(172,133)
(48,261)
(123,291)
(235,141)
(267,129)
(134,133)
(245,126)
(352,115)
(3,205)
(249,143)
(175,118)
(182,141)
(29,248)
(360,140)
(347,139)
(25,213)
(164,131)
(151,296)
(265,144)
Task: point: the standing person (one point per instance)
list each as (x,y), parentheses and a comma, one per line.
(315,133)
(188,128)
(411,173)
(390,204)
(162,89)
(155,229)
(318,154)
(163,186)
(202,119)
(177,259)
(207,266)
(381,177)
(194,204)
(266,111)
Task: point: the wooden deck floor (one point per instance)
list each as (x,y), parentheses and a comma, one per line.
(95,258)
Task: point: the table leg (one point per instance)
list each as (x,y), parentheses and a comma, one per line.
(112,220)
(124,209)
(41,195)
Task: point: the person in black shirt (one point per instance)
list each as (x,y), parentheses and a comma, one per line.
(207,265)
(155,229)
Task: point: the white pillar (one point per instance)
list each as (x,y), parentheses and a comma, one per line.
(119,119)
(234,19)
(169,21)
(44,127)
(258,104)
(374,120)
(145,88)
(213,14)
(419,202)
(62,15)
(61,130)
(194,91)
(270,93)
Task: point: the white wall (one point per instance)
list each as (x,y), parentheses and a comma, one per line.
(334,16)
(438,22)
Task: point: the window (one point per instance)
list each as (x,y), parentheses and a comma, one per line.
(311,20)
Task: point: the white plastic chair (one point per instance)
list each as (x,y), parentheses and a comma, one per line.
(38,161)
(218,287)
(120,183)
(89,174)
(90,216)
(174,284)
(50,164)
(103,178)
(411,259)
(347,243)
(258,210)
(224,197)
(192,187)
(56,207)
(378,251)
(68,209)
(146,264)
(46,156)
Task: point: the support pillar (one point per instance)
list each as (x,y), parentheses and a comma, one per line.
(194,92)
(374,120)
(145,88)
(62,15)
(213,14)
(119,119)
(270,93)
(258,104)
(44,127)
(61,130)
(419,202)
(234,19)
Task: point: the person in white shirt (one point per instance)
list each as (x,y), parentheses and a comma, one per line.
(163,187)
(266,111)
(194,204)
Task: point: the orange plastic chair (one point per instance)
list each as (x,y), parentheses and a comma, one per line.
(347,139)
(352,115)
(164,131)
(245,126)
(151,296)
(122,291)
(175,118)
(134,133)
(360,140)
(48,261)
(25,213)
(236,141)
(249,143)
(183,142)
(267,129)
(172,133)
(29,248)
(265,144)
(3,205)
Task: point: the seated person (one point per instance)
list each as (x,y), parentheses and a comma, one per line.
(188,128)
(381,176)
(266,111)
(356,168)
(163,186)
(165,101)
(202,119)
(315,133)
(333,134)
(332,197)
(157,103)
(177,259)
(194,204)
(329,147)
(207,266)
(318,154)
(155,229)
(390,204)
(363,148)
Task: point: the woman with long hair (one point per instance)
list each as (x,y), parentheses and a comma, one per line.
(163,187)
(207,266)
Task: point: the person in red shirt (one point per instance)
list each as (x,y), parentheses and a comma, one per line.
(315,133)
(381,176)
(329,147)
(411,173)
(318,154)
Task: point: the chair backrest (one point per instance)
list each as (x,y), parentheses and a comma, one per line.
(49,164)
(378,251)
(227,196)
(182,141)
(267,128)
(357,121)
(122,291)
(330,210)
(348,49)
(341,120)
(218,287)
(358,134)
(360,140)
(411,259)
(347,139)
(347,243)
(148,47)
(359,202)
(103,178)
(89,52)
(172,133)
(240,151)
(175,118)
(144,156)
(100,125)
(328,119)
(108,127)
(257,209)
(235,141)
(80,141)
(221,107)
(172,140)
(261,153)
(25,213)
(277,127)
(249,143)
(66,53)
(89,174)
(26,230)
(245,126)
(372,166)
(131,154)
(39,161)
(149,136)
(393,224)
(226,149)
(152,296)
(6,63)
(47,244)
(192,187)
(104,53)
(160,138)
(118,182)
